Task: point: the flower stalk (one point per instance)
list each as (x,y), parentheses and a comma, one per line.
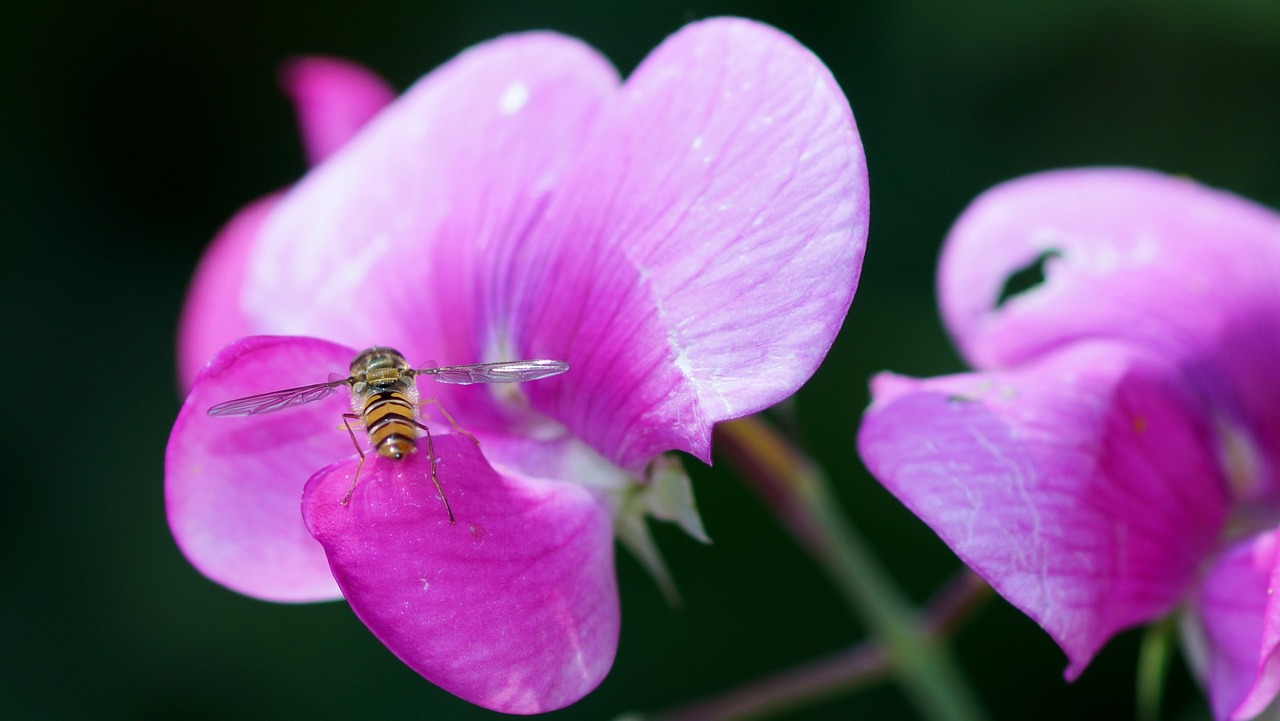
(1154,654)
(799,493)
(842,672)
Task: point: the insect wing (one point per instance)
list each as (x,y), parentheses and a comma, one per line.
(276,401)
(505,372)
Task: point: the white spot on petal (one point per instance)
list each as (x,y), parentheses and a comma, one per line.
(513,98)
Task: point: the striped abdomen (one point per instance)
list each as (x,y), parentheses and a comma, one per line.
(388,415)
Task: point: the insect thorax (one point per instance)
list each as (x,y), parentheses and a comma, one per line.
(380,369)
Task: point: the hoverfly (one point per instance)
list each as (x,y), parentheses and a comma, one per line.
(384,398)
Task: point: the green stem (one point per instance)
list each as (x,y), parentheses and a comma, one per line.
(839,673)
(799,493)
(1153,663)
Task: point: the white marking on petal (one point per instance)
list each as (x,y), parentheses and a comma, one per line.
(513,98)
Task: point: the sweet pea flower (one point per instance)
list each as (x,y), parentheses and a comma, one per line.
(1113,458)
(688,240)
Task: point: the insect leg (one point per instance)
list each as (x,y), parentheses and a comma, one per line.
(346,421)
(449,418)
(431,451)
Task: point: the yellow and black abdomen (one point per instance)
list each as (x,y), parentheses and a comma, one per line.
(388,416)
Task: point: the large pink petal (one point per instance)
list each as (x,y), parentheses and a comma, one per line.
(381,240)
(1161,261)
(1239,617)
(333,98)
(212,316)
(233,485)
(698,261)
(513,608)
(1083,487)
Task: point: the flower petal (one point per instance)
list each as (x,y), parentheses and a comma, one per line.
(513,608)
(233,485)
(1239,629)
(699,260)
(1166,263)
(1083,487)
(382,239)
(1131,254)
(211,317)
(333,98)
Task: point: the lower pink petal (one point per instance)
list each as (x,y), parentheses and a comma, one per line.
(1240,622)
(513,608)
(1084,488)
(233,485)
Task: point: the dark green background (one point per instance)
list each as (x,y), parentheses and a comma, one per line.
(131,130)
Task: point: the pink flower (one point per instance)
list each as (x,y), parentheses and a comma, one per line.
(1114,457)
(688,241)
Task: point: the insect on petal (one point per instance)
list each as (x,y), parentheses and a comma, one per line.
(513,608)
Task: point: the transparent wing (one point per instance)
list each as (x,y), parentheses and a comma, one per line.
(505,372)
(277,400)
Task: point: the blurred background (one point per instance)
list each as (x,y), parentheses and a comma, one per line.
(129,131)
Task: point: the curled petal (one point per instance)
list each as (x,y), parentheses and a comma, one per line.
(212,316)
(1132,254)
(698,261)
(1239,629)
(1083,487)
(233,485)
(513,608)
(333,98)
